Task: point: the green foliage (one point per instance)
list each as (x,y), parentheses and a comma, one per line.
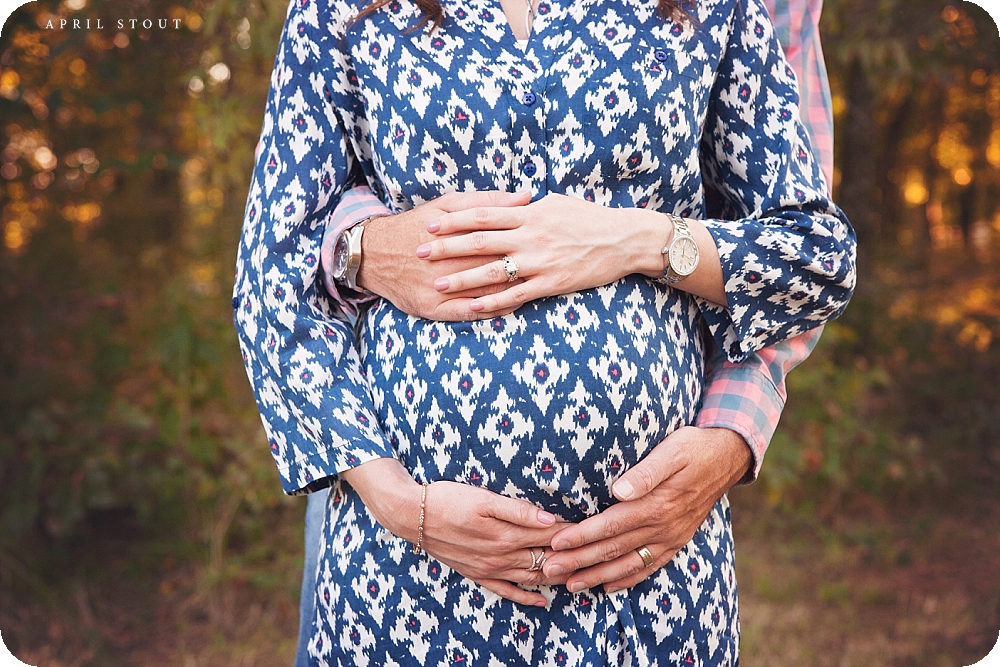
(837,439)
(122,392)
(898,403)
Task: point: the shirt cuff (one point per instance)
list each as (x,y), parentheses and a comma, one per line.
(357,204)
(743,400)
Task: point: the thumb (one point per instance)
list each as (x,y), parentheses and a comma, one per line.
(519,512)
(647,474)
(460,201)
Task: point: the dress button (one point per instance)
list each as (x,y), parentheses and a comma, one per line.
(528,99)
(660,55)
(529,169)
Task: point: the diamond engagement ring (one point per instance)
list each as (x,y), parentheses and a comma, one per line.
(537,562)
(510,267)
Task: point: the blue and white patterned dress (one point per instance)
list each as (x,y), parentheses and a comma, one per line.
(609,102)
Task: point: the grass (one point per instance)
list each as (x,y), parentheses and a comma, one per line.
(919,590)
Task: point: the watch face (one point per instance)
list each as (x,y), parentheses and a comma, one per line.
(684,256)
(341,255)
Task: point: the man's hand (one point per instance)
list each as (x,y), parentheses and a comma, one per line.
(665,498)
(392,270)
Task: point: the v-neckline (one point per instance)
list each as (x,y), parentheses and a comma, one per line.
(510,25)
(508,40)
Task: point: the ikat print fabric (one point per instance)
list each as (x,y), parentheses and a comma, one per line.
(609,102)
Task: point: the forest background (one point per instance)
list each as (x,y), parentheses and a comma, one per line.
(141,518)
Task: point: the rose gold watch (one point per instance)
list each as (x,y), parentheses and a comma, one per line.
(681,253)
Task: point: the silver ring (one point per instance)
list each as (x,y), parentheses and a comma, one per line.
(510,268)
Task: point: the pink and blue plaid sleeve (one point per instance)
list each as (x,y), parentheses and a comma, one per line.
(796,24)
(748,398)
(357,204)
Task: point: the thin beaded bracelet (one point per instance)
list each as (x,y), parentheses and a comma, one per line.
(420,528)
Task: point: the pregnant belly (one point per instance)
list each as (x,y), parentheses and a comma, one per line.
(551,403)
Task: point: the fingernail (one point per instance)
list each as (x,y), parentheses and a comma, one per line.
(424,251)
(613,589)
(540,603)
(476,305)
(576,587)
(441,284)
(561,543)
(623,489)
(434,226)
(554,570)
(546,518)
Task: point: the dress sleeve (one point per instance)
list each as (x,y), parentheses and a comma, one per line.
(299,348)
(796,24)
(788,253)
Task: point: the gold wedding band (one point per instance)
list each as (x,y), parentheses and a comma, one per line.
(645,555)
(510,267)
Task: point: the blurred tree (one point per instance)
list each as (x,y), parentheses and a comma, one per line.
(89,219)
(124,169)
(911,83)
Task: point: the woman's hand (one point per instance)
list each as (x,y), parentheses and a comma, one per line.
(481,535)
(489,538)
(561,244)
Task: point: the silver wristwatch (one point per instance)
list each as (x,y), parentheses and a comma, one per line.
(347,255)
(681,253)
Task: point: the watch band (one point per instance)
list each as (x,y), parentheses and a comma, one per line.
(352,236)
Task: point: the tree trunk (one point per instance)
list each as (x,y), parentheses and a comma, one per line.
(859,195)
